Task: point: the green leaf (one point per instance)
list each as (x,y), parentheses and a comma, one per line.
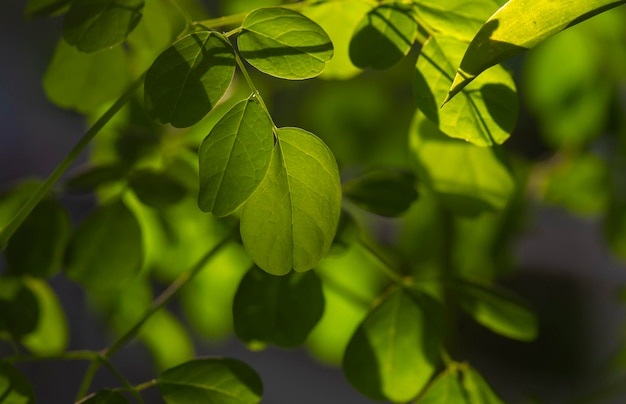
(12,200)
(89,179)
(14,387)
(167,339)
(383,37)
(19,308)
(186,81)
(106,249)
(38,245)
(339,19)
(243,6)
(477,389)
(393,353)
(107,396)
(93,25)
(484,114)
(385,192)
(269,309)
(45,8)
(284,43)
(291,219)
(70,71)
(498,310)
(445,388)
(518,26)
(347,234)
(50,336)
(472,180)
(234,158)
(214,380)
(156,188)
(460,19)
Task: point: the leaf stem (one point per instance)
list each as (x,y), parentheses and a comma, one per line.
(255,92)
(146,385)
(87,379)
(23,213)
(71,355)
(128,386)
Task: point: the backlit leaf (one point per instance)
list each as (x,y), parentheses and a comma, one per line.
(65,80)
(38,245)
(477,389)
(14,387)
(89,179)
(383,37)
(284,43)
(107,396)
(13,199)
(279,310)
(497,310)
(186,81)
(155,188)
(385,192)
(518,26)
(106,249)
(484,114)
(291,219)
(19,307)
(393,353)
(93,25)
(445,388)
(460,19)
(214,380)
(234,158)
(339,18)
(472,180)
(167,339)
(50,336)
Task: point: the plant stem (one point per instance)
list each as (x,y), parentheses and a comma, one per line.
(164,298)
(128,386)
(72,355)
(89,375)
(386,267)
(23,213)
(146,385)
(253,88)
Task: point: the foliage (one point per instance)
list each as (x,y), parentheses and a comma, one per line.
(199,188)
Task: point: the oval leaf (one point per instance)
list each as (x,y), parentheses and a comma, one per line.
(106,396)
(485,114)
(385,192)
(284,43)
(19,308)
(38,245)
(477,389)
(156,189)
(277,310)
(106,249)
(518,26)
(446,388)
(50,336)
(472,180)
(214,380)
(497,310)
(92,25)
(186,81)
(14,387)
(383,37)
(234,158)
(393,353)
(291,219)
(91,178)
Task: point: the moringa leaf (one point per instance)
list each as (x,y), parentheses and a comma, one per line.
(188,79)
(211,380)
(383,37)
(93,25)
(385,192)
(156,188)
(473,179)
(280,310)
(19,307)
(393,353)
(477,389)
(284,43)
(14,387)
(445,388)
(106,249)
(291,219)
(518,26)
(234,157)
(484,114)
(90,178)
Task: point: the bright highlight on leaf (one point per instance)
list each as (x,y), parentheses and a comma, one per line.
(518,26)
(291,219)
(284,43)
(384,36)
(234,158)
(393,353)
(484,114)
(188,79)
(93,25)
(279,310)
(214,380)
